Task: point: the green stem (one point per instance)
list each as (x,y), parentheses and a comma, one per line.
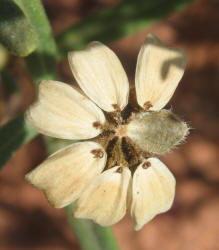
(42,63)
(90,235)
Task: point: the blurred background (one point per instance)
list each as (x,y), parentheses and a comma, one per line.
(27,221)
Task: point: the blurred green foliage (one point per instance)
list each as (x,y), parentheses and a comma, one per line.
(118,21)
(4,57)
(10,81)
(25,28)
(16,32)
(12,136)
(41,63)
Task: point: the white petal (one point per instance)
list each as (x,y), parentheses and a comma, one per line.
(100,74)
(67,173)
(158,72)
(64,113)
(152,192)
(105,201)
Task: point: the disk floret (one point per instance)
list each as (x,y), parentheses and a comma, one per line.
(136,134)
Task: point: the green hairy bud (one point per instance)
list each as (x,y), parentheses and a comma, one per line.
(157,132)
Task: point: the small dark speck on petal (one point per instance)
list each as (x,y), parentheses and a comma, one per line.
(146,165)
(119,170)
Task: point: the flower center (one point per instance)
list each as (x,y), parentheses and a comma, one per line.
(121,131)
(131,136)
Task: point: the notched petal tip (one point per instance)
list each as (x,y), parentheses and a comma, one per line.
(152,39)
(100,75)
(30,179)
(153,192)
(62,112)
(66,174)
(95,44)
(105,201)
(158,72)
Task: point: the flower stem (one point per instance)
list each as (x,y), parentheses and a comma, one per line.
(90,235)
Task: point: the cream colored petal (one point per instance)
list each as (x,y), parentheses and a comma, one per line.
(100,74)
(64,113)
(152,192)
(158,72)
(105,201)
(68,172)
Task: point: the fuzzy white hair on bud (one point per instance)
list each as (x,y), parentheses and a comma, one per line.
(157,132)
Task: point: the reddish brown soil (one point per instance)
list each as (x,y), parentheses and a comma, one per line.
(27,221)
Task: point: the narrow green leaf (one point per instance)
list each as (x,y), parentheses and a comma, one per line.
(4,57)
(113,23)
(12,136)
(90,235)
(16,32)
(9,80)
(42,63)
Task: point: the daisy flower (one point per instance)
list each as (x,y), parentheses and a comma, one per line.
(121,131)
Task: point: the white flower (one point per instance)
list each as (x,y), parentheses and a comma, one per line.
(117,164)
